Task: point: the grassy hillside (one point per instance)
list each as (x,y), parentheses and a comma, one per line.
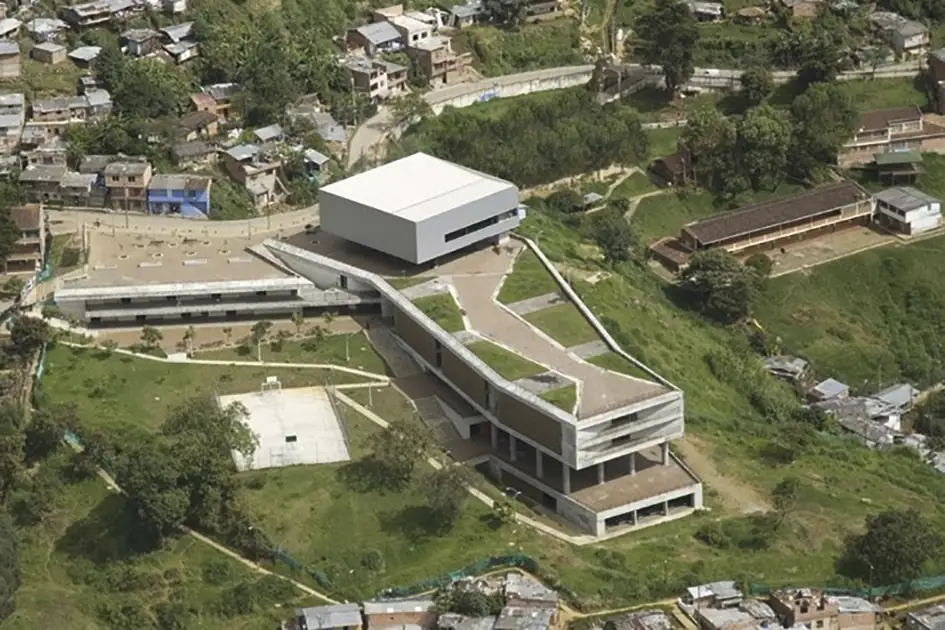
(734,441)
(870,319)
(79,571)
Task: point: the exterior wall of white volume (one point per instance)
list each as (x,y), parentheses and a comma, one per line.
(420,208)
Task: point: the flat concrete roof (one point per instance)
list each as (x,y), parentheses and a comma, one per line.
(417,187)
(475,274)
(133,260)
(294,426)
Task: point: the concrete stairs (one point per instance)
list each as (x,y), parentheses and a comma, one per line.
(432,414)
(400,363)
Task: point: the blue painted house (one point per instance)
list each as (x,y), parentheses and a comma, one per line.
(186,195)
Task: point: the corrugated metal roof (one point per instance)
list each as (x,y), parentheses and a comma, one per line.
(905,198)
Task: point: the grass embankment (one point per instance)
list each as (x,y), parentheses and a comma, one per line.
(528,279)
(443,310)
(563,323)
(499,52)
(870,320)
(507,364)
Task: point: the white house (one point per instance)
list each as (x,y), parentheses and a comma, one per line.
(907,38)
(908,210)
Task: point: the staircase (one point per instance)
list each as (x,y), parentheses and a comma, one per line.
(400,363)
(432,414)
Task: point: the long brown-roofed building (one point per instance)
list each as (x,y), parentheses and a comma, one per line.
(769,223)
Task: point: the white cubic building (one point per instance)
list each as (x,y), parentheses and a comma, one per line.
(908,210)
(419,208)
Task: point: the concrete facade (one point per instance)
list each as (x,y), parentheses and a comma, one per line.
(601,472)
(419,208)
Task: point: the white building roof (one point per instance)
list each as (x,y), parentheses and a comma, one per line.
(417,187)
(905,198)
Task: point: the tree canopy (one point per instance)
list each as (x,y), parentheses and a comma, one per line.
(670,34)
(9,566)
(823,118)
(893,549)
(397,449)
(757,85)
(720,286)
(534,141)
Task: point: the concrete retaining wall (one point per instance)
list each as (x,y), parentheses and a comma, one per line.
(464,95)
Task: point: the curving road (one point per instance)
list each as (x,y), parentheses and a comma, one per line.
(368,140)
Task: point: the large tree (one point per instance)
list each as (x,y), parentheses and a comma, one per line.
(446,493)
(823,118)
(894,548)
(9,566)
(710,139)
(397,449)
(45,430)
(669,34)
(611,232)
(757,84)
(720,286)
(764,135)
(28,334)
(12,441)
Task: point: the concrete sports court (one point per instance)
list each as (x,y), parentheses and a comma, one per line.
(294,426)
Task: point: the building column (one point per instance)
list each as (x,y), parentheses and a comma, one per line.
(494,435)
(633,463)
(665,454)
(665,508)
(565,479)
(512,454)
(601,473)
(539,464)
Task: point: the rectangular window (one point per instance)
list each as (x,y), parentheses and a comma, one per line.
(479,225)
(439,354)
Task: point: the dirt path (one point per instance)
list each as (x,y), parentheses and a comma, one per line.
(735,495)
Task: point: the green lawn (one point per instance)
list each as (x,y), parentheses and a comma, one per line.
(333,349)
(616,363)
(507,364)
(123,393)
(442,309)
(331,517)
(528,279)
(562,397)
(636,184)
(866,95)
(79,569)
(663,141)
(39,80)
(563,323)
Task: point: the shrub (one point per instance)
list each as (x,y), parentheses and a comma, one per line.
(373,560)
(218,572)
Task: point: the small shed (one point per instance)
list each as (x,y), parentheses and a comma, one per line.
(49,53)
(272,133)
(83,56)
(829,389)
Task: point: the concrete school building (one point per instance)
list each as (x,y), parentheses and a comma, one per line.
(601,461)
